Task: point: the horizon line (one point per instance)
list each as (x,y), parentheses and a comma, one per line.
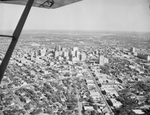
(3,30)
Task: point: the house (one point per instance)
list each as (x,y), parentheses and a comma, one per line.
(138,111)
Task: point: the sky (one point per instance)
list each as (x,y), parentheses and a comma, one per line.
(95,15)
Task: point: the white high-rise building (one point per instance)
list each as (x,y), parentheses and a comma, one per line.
(60,53)
(32,54)
(132,49)
(75,48)
(77,53)
(65,54)
(56,54)
(73,53)
(96,52)
(63,49)
(57,48)
(43,51)
(83,56)
(70,57)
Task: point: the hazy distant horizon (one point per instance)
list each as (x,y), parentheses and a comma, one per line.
(10,32)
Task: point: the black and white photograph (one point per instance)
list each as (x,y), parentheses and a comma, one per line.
(74,57)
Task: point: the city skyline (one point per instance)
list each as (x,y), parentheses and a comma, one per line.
(100,15)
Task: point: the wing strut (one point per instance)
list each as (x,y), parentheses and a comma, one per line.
(6,36)
(15,38)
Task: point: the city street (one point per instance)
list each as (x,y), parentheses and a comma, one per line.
(99,90)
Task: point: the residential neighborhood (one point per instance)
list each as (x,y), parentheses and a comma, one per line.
(73,81)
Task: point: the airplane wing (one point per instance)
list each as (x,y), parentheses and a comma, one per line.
(42,3)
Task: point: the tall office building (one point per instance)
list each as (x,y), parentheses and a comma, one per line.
(96,52)
(60,53)
(63,49)
(100,60)
(73,53)
(132,49)
(37,53)
(65,54)
(43,51)
(56,54)
(57,48)
(83,56)
(75,48)
(32,54)
(77,53)
(70,57)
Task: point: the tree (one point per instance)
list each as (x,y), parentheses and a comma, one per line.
(128,104)
(90,100)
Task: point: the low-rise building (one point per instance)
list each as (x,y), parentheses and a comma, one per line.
(143,56)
